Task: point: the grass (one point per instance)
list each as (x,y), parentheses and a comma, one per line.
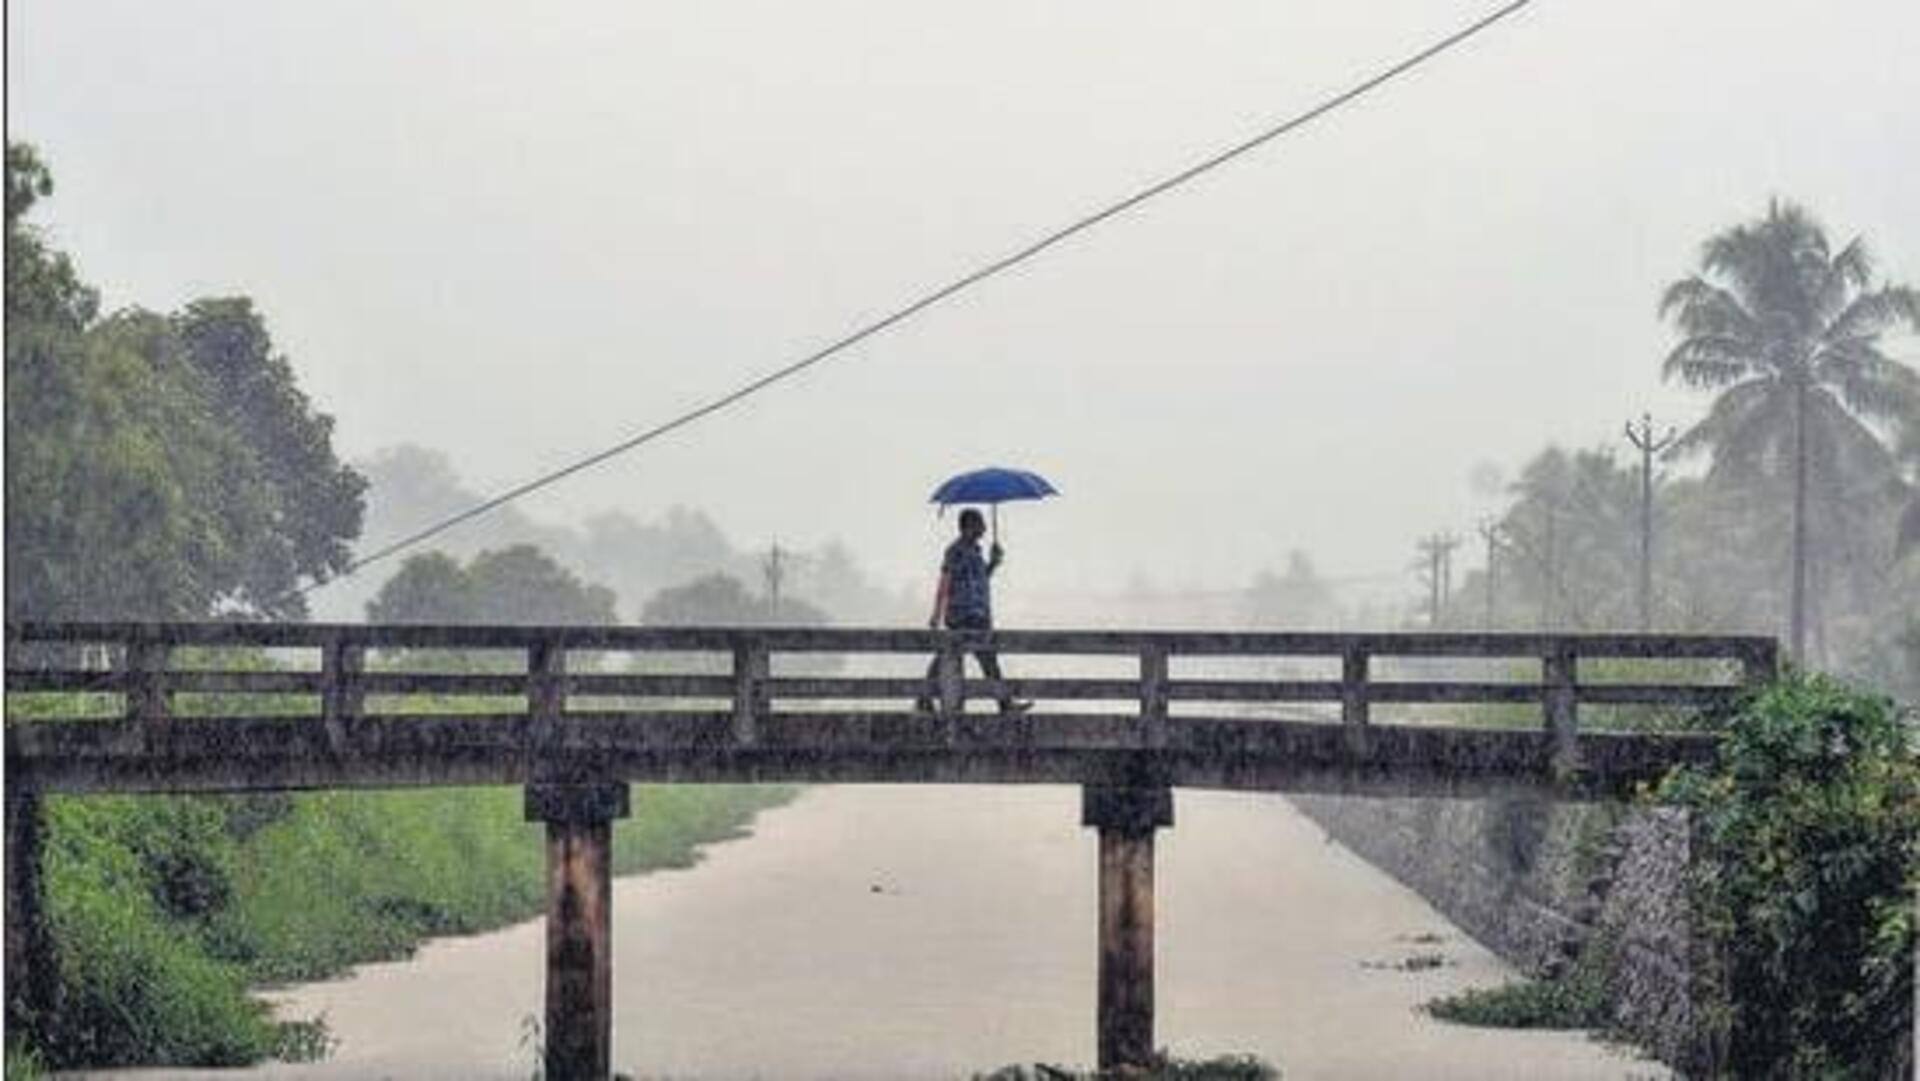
(1554,1004)
(1164,1068)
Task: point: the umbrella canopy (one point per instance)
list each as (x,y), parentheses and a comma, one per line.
(992,485)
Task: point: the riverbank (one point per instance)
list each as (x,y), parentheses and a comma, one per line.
(166,911)
(931,932)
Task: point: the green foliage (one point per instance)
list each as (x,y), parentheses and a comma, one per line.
(1808,831)
(1556,1004)
(23,1063)
(516,585)
(428,588)
(1164,1068)
(131,988)
(159,466)
(42,288)
(521,584)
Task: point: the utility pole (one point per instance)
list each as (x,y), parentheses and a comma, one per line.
(1490,532)
(773,569)
(1643,439)
(1436,549)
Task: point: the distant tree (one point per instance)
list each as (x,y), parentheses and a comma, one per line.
(1569,539)
(721,600)
(524,585)
(430,588)
(835,581)
(1788,332)
(1297,599)
(1907,538)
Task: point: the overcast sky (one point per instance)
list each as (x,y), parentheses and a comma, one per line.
(519,233)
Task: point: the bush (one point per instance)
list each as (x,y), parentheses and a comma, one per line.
(1808,828)
(1164,1068)
(131,988)
(1562,1003)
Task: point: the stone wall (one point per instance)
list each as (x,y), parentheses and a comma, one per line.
(1539,882)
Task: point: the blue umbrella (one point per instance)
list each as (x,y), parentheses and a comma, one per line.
(992,486)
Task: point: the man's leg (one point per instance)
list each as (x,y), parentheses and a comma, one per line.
(990,664)
(924,703)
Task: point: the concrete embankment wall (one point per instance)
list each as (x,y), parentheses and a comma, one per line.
(1549,886)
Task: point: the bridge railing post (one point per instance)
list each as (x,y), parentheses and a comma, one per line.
(1354,661)
(751,666)
(1153,694)
(546,702)
(1560,704)
(343,699)
(1760,663)
(146,662)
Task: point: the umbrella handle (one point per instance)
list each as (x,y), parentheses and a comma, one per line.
(994,509)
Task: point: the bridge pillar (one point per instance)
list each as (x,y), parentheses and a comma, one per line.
(579,1029)
(1126,818)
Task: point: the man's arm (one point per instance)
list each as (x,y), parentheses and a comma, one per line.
(994,555)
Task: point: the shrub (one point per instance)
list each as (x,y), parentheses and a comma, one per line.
(1807,829)
(1564,1003)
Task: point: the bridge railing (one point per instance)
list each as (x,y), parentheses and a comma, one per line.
(144,663)
(232,705)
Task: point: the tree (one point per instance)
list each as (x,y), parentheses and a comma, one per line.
(721,600)
(1788,332)
(159,466)
(524,585)
(429,588)
(313,504)
(1298,599)
(1571,538)
(43,290)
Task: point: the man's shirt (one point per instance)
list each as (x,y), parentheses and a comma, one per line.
(968,599)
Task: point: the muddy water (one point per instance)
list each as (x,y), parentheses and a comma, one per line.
(928,932)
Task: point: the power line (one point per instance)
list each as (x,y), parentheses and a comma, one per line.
(930,299)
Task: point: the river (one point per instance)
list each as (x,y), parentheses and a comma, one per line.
(870,932)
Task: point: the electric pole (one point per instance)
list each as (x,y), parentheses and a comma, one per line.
(1437,551)
(1490,532)
(773,569)
(1643,439)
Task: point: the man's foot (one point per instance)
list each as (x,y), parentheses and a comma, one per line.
(923,705)
(1015,705)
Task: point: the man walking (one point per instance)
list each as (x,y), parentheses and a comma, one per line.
(964,598)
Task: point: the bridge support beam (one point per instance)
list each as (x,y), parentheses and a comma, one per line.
(1126,818)
(579,1028)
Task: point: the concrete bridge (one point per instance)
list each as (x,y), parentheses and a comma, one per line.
(574,714)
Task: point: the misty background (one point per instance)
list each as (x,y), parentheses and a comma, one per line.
(512,237)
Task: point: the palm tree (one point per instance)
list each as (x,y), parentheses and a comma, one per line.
(1788,331)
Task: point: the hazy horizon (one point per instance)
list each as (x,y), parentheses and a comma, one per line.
(522,239)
